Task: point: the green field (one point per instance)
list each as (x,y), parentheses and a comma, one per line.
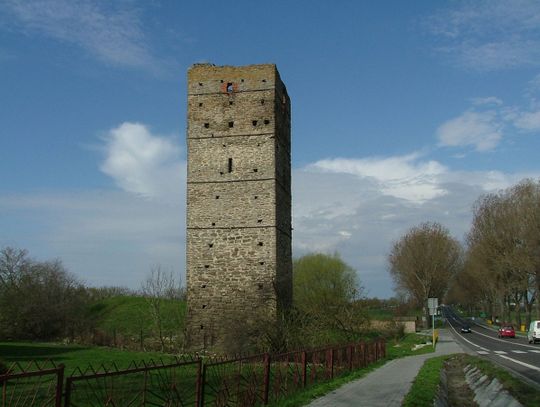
(131,314)
(80,357)
(73,356)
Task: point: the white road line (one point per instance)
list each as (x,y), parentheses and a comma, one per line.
(521,363)
(466,340)
(517,351)
(483,352)
(501,340)
(534,351)
(500,352)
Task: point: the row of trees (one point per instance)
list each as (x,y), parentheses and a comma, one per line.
(43,301)
(39,300)
(502,264)
(499,267)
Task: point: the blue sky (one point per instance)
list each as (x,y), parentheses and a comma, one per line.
(402,112)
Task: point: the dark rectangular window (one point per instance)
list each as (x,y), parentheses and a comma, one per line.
(230,164)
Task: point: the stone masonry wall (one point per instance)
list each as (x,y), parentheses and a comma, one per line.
(238,199)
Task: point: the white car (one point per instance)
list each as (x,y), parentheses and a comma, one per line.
(533,334)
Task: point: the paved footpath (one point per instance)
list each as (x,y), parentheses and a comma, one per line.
(387,385)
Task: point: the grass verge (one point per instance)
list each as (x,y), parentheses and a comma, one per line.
(394,349)
(424,387)
(524,393)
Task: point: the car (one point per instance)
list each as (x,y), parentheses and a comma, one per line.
(533,334)
(506,331)
(465,329)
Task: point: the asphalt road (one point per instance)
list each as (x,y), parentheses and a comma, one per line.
(515,354)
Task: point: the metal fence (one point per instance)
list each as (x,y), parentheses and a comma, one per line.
(243,382)
(143,384)
(258,380)
(36,384)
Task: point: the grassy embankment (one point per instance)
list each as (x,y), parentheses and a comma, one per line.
(127,321)
(124,321)
(425,386)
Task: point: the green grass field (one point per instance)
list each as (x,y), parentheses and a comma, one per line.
(72,356)
(129,315)
(153,386)
(80,357)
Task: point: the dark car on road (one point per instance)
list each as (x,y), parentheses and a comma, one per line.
(506,331)
(465,329)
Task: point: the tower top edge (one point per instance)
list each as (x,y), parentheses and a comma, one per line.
(214,66)
(210,71)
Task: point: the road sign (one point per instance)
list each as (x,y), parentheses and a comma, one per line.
(433,303)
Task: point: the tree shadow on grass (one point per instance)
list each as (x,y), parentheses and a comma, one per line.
(29,351)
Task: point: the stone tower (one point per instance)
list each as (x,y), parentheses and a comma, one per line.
(239,264)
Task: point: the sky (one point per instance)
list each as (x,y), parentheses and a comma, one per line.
(402,113)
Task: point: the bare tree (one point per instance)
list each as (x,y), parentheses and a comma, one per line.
(424,260)
(39,300)
(159,287)
(505,239)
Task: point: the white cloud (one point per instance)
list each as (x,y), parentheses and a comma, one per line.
(404,177)
(486,101)
(356,206)
(354,215)
(534,84)
(479,129)
(489,35)
(143,163)
(529,121)
(109,32)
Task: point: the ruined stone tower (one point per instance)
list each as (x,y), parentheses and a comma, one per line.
(238,199)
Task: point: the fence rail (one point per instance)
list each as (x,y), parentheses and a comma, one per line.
(260,379)
(241,382)
(173,384)
(32,385)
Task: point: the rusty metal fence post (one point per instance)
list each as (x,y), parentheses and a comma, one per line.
(59,385)
(14,377)
(203,383)
(330,362)
(199,385)
(266,388)
(304,369)
(349,357)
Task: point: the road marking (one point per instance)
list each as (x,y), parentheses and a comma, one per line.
(466,340)
(500,352)
(534,351)
(497,339)
(521,363)
(483,352)
(518,351)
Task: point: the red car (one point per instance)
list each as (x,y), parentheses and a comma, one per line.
(507,331)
